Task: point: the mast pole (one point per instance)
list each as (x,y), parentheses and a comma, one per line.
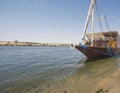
(92,28)
(88,18)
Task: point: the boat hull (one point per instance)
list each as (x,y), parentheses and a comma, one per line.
(92,52)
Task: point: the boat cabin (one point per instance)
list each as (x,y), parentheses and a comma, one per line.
(104,39)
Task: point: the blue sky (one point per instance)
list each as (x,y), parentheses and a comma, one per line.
(52,21)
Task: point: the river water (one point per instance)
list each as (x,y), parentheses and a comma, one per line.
(26,69)
(26,65)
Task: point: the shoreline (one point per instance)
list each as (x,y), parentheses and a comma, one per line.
(99,76)
(17,43)
(95,77)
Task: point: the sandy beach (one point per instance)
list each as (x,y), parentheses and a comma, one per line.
(101,76)
(110,84)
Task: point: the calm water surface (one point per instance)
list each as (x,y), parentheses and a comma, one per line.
(31,66)
(50,70)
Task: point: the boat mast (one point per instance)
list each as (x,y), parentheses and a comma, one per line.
(92,28)
(88,18)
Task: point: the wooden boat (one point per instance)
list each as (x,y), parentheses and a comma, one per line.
(101,44)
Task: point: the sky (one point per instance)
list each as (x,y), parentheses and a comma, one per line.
(53,21)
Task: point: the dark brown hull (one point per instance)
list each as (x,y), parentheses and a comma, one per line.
(98,52)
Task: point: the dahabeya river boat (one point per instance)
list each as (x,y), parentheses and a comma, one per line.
(99,44)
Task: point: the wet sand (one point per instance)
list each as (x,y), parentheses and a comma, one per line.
(101,76)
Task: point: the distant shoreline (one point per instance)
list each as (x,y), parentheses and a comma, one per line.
(17,43)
